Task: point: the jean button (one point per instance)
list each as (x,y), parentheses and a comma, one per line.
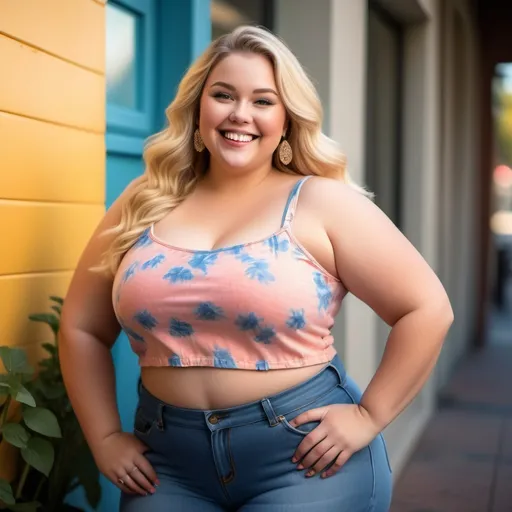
(213,419)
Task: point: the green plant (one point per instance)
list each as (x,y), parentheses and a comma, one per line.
(36,451)
(73,464)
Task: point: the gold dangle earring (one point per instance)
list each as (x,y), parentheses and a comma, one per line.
(198,141)
(285,152)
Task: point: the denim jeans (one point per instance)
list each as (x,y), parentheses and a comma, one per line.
(239,459)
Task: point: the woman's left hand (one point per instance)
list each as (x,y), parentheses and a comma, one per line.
(343,430)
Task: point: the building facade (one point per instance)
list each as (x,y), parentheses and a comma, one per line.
(89,81)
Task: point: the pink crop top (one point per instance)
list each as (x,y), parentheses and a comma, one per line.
(261,305)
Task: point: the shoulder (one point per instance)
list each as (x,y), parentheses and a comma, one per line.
(330,197)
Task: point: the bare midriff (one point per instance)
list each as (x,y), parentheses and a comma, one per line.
(207,388)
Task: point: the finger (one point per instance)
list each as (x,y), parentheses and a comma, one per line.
(316,453)
(306,417)
(147,469)
(119,482)
(327,458)
(140,478)
(338,464)
(312,439)
(133,485)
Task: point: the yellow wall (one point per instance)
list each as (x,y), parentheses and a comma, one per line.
(52,174)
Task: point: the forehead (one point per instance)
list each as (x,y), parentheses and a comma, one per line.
(244,69)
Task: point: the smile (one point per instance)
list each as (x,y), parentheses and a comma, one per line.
(239,138)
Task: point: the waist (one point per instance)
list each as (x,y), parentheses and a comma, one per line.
(208,388)
(331,375)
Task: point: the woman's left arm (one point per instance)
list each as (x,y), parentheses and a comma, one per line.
(381,267)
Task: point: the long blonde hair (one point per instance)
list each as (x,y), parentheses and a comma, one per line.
(173,167)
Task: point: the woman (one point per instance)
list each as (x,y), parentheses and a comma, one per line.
(227,287)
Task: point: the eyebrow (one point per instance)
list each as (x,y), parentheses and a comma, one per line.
(232,88)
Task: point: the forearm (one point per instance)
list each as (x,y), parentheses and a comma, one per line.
(88,372)
(411,353)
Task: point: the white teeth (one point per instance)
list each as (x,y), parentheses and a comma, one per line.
(239,137)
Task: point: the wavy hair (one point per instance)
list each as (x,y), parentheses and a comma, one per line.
(173,167)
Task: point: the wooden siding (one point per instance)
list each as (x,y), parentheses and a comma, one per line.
(52,181)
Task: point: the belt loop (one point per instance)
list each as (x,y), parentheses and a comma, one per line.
(342,375)
(269,411)
(160,417)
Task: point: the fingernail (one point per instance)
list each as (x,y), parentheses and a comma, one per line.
(157,483)
(294,460)
(152,491)
(310,473)
(300,466)
(325,475)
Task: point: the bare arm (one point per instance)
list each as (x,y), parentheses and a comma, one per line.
(380,267)
(88,330)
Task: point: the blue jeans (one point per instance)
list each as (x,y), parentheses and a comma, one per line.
(239,459)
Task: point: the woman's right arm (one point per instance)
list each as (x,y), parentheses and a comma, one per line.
(88,330)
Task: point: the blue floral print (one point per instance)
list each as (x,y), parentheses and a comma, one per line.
(277,245)
(179,274)
(202,261)
(262,365)
(259,270)
(235,250)
(248,322)
(297,319)
(265,335)
(153,262)
(323,291)
(146,319)
(245,258)
(130,271)
(175,360)
(209,311)
(180,329)
(144,239)
(222,358)
(131,333)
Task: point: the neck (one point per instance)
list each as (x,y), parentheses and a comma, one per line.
(222,180)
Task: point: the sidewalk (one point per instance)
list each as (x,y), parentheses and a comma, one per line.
(463,462)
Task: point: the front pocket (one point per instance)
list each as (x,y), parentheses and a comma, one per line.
(142,424)
(304,429)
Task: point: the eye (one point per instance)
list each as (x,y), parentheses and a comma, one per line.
(264,102)
(222,96)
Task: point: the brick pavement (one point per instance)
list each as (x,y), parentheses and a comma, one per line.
(463,461)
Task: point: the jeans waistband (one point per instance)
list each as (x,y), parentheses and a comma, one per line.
(266,409)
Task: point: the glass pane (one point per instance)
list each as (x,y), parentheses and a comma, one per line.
(121,57)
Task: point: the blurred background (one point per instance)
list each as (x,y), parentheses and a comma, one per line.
(419,95)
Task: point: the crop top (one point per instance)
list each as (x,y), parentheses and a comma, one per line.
(261,305)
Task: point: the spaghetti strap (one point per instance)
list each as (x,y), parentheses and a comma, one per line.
(291,204)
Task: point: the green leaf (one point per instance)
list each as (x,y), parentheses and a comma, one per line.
(42,421)
(39,454)
(6,494)
(88,475)
(57,309)
(31,506)
(58,300)
(47,318)
(50,347)
(15,360)
(23,395)
(15,434)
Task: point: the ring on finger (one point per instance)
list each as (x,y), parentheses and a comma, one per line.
(120,481)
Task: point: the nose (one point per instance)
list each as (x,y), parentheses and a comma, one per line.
(241,113)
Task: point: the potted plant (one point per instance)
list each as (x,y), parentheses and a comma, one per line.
(56,458)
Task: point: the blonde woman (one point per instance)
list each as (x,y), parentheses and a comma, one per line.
(227,286)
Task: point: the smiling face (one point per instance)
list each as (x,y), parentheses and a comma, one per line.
(242,117)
